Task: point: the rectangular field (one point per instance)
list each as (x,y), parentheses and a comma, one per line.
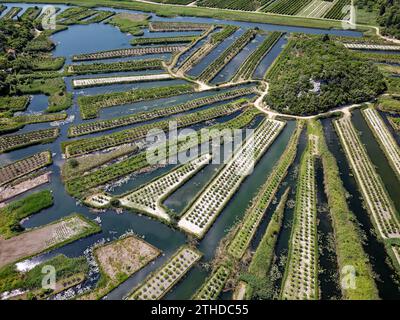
(206,208)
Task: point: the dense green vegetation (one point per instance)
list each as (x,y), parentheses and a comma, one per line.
(162,40)
(257,277)
(348,240)
(130,23)
(316,75)
(11,279)
(14,212)
(247,5)
(337,11)
(388,14)
(9,123)
(288,7)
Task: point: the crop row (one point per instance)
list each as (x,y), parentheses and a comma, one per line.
(84,146)
(301,281)
(103,125)
(132,65)
(372,188)
(159,283)
(162,40)
(338,11)
(279,63)
(206,208)
(121,53)
(289,7)
(213,286)
(10,14)
(386,140)
(17,103)
(245,5)
(22,167)
(18,122)
(218,64)
(90,105)
(148,199)
(160,26)
(99,17)
(93,82)
(368,46)
(17,141)
(205,49)
(78,186)
(250,64)
(263,199)
(31,13)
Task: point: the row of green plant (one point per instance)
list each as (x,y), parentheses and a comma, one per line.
(14,212)
(10,14)
(245,5)
(10,123)
(300,280)
(259,284)
(84,146)
(21,140)
(21,167)
(81,184)
(90,105)
(263,199)
(14,103)
(212,287)
(347,234)
(287,7)
(162,40)
(103,125)
(250,64)
(119,66)
(218,64)
(338,11)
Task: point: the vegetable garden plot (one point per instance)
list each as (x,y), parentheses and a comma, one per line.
(16,141)
(162,40)
(218,64)
(206,208)
(131,52)
(22,167)
(18,103)
(386,140)
(250,64)
(148,199)
(204,50)
(159,283)
(160,26)
(263,199)
(31,13)
(18,122)
(99,17)
(79,185)
(213,286)
(120,66)
(372,188)
(102,125)
(84,146)
(46,237)
(301,275)
(338,11)
(288,7)
(90,105)
(92,82)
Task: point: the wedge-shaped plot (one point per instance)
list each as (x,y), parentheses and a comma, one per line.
(148,199)
(213,286)
(92,82)
(301,282)
(201,215)
(375,195)
(384,137)
(45,238)
(159,283)
(22,167)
